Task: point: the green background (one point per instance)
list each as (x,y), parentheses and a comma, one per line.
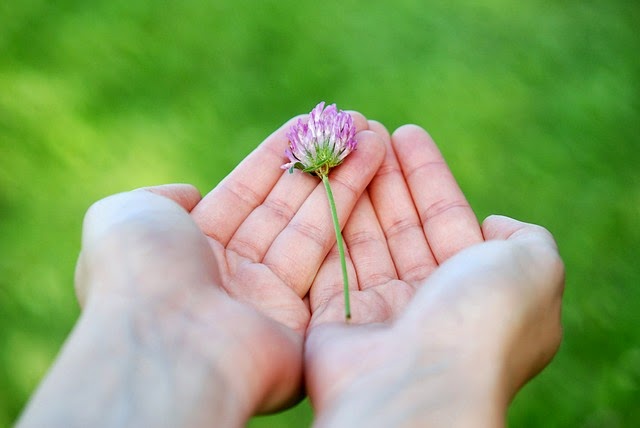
(536,106)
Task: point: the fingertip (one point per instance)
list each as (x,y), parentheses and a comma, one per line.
(497,226)
(539,243)
(185,195)
(120,208)
(359,120)
(408,138)
(500,227)
(380,129)
(410,132)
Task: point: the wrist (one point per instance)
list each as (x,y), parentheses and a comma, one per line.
(122,365)
(422,387)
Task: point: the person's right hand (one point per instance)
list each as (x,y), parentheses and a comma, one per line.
(194,309)
(451,318)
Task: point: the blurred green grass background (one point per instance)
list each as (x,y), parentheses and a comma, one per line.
(535,105)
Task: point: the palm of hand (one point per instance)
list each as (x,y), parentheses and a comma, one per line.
(259,286)
(270,231)
(412,218)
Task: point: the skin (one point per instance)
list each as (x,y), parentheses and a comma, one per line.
(201,311)
(193,308)
(450,318)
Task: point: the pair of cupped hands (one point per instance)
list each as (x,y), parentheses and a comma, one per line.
(208,310)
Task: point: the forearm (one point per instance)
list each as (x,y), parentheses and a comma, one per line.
(113,371)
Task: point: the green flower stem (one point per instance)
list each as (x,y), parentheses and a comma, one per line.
(343,261)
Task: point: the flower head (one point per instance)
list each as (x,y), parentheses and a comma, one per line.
(322,142)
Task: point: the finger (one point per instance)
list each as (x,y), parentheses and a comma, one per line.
(297,252)
(496,227)
(223,210)
(134,239)
(535,242)
(186,195)
(448,221)
(518,260)
(367,246)
(256,234)
(398,217)
(329,281)
(359,120)
(368,263)
(279,207)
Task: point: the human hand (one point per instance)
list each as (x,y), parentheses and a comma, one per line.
(447,327)
(193,308)
(270,232)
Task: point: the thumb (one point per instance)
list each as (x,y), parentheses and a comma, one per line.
(141,239)
(502,228)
